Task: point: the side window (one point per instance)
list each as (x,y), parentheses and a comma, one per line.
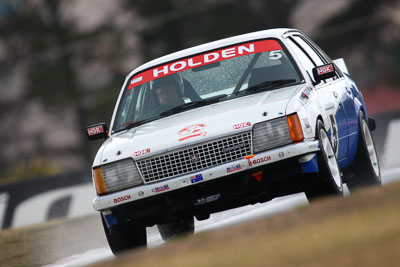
(318,52)
(304,58)
(310,51)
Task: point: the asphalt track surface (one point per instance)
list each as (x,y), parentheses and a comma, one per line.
(217,220)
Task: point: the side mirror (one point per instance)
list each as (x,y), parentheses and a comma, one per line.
(323,72)
(97,131)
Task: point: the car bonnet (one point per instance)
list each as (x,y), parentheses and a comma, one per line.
(196,125)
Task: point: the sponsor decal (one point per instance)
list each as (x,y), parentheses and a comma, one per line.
(281,154)
(241,125)
(325,69)
(208,199)
(142,152)
(141,193)
(205,59)
(233,168)
(192,131)
(196,178)
(249,157)
(306,93)
(161,188)
(122,199)
(261,160)
(95,130)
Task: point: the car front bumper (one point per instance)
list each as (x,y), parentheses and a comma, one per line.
(237,168)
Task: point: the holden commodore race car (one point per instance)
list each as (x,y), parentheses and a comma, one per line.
(225,124)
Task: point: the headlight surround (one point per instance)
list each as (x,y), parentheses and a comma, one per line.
(116,176)
(271,134)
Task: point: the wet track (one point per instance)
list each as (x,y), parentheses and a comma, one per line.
(218,220)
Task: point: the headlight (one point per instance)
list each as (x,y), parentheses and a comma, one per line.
(116,176)
(271,134)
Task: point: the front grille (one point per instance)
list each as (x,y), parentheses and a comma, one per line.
(195,158)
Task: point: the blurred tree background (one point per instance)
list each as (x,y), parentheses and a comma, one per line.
(63,62)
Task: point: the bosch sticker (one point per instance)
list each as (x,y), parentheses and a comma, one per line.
(192,131)
(122,199)
(95,130)
(142,152)
(261,160)
(205,59)
(241,125)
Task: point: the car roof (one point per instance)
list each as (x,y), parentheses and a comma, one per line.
(272,33)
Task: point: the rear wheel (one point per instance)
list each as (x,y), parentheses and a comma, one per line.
(329,179)
(177,228)
(365,170)
(124,236)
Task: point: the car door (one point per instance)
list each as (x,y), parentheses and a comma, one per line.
(330,93)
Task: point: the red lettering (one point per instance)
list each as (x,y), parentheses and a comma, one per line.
(325,69)
(242,125)
(122,199)
(142,152)
(95,130)
(261,160)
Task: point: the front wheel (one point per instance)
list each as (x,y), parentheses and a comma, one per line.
(329,179)
(176,228)
(365,170)
(124,236)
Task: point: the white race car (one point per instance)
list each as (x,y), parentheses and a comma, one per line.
(225,124)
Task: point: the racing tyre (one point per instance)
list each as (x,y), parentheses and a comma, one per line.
(329,179)
(124,236)
(177,228)
(365,170)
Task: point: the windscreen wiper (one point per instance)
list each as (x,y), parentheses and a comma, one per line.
(264,86)
(138,123)
(192,105)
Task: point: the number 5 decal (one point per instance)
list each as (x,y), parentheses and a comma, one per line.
(275,54)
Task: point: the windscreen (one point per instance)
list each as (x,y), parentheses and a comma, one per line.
(204,79)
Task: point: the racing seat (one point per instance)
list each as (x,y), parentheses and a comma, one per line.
(271,73)
(189,92)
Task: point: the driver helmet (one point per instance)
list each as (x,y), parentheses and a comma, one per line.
(173,79)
